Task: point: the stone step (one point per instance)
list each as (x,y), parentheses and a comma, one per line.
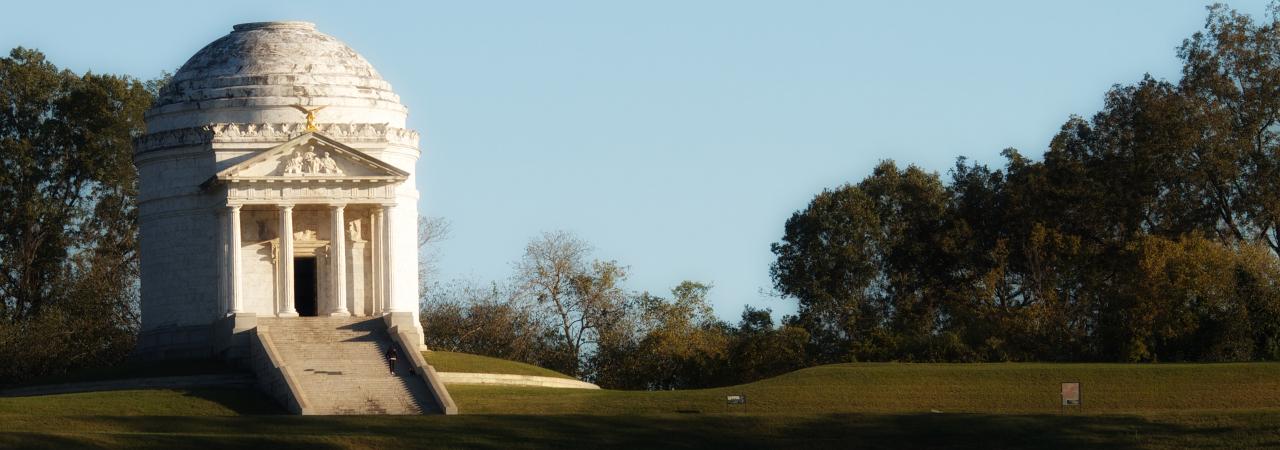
(340,366)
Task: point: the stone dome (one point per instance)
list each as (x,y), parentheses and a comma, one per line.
(260,70)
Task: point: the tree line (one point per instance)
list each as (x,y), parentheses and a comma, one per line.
(68,216)
(563,310)
(1148,232)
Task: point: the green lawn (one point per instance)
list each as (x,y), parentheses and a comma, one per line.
(1236,429)
(469,363)
(920,388)
(840,406)
(151,402)
(143,369)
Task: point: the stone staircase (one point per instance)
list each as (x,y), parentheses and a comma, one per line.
(340,367)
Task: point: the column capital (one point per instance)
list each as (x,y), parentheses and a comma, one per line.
(284,206)
(337,205)
(233,207)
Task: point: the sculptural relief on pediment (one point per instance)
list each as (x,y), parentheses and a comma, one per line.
(307,161)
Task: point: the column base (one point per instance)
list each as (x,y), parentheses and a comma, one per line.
(339,314)
(287,314)
(243,321)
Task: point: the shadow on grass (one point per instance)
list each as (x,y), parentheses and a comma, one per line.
(240,401)
(653,431)
(137,369)
(42,441)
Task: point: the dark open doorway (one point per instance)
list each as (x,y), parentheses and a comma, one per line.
(304,286)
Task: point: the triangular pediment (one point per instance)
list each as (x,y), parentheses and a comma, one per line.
(311,156)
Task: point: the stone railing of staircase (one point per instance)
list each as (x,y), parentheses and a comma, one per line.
(407,341)
(274,376)
(500,379)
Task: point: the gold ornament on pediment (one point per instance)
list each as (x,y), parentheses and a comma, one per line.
(311,116)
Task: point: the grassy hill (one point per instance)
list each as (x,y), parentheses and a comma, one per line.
(151,402)
(908,388)
(836,406)
(469,363)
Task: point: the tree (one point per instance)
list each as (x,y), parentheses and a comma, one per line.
(863,261)
(431,231)
(1231,74)
(469,317)
(1191,300)
(68,237)
(758,349)
(911,207)
(681,343)
(1136,237)
(826,261)
(579,298)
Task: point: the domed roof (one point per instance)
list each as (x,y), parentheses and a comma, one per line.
(267,64)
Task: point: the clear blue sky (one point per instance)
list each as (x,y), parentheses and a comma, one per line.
(675,136)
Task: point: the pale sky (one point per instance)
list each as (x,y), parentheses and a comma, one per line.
(675,136)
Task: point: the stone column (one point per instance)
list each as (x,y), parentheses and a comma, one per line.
(357,288)
(388,258)
(237,297)
(378,268)
(224,279)
(285,264)
(338,261)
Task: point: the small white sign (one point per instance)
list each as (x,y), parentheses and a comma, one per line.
(1071,394)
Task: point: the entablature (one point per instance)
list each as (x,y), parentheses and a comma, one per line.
(257,133)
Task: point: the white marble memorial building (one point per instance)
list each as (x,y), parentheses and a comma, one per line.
(276,181)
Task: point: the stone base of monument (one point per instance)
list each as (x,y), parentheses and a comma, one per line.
(231,336)
(176,342)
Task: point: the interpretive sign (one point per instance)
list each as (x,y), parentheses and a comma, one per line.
(736,400)
(1071,394)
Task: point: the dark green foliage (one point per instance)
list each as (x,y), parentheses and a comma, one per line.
(645,343)
(678,343)
(759,350)
(466,318)
(1146,233)
(826,261)
(68,231)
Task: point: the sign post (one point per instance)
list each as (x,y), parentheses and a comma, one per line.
(1071,395)
(732,400)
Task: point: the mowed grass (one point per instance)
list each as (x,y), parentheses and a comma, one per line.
(920,388)
(469,363)
(143,369)
(149,402)
(839,406)
(1236,429)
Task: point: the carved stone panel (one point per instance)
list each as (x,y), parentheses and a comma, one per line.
(309,158)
